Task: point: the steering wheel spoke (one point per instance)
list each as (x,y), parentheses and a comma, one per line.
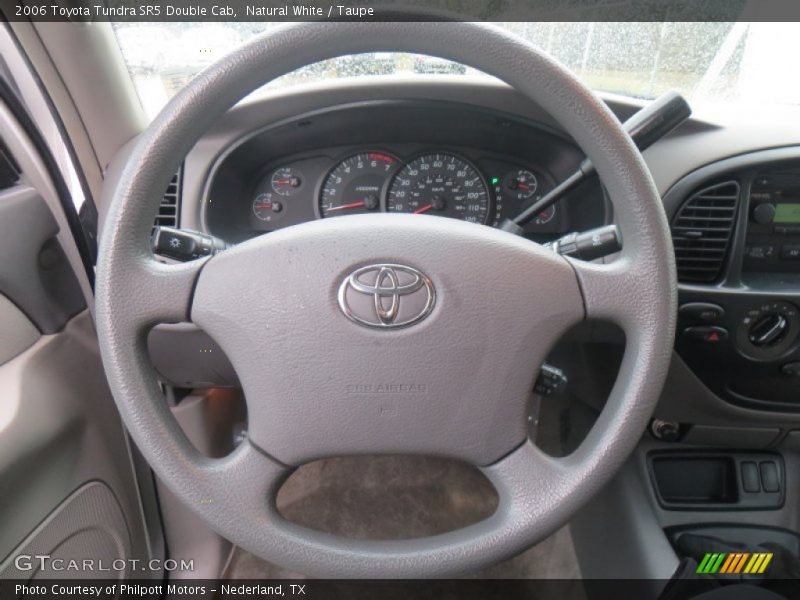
(524,478)
(156,292)
(247,473)
(611,291)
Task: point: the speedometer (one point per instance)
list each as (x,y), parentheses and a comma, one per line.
(440,184)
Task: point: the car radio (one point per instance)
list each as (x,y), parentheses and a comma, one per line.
(772,242)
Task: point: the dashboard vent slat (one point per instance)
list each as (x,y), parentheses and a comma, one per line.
(168,210)
(702,231)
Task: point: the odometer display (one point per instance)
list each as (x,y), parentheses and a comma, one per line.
(440,184)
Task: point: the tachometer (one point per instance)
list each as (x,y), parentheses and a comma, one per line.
(354,185)
(440,184)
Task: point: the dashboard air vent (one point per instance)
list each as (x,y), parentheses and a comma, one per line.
(702,230)
(170,202)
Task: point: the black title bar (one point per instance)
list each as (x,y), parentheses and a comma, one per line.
(400,10)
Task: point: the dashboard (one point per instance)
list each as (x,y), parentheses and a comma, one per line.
(705,171)
(403,158)
(731,194)
(735,227)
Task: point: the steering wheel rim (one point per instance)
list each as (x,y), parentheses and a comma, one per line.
(235,495)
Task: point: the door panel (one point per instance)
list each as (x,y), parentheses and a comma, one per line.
(34,271)
(58,431)
(66,467)
(17,333)
(84,525)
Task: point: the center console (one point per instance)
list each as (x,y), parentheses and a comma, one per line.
(719,467)
(736,227)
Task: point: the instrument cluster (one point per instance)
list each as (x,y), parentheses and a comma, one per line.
(439,182)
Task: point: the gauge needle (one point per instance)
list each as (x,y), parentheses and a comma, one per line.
(424,209)
(523,186)
(344,206)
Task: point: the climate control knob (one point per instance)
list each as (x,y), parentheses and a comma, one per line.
(768,330)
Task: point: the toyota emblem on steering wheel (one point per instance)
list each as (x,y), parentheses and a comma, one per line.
(386,296)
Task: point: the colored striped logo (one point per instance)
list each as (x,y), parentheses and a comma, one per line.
(735,562)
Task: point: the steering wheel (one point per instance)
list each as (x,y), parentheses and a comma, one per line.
(457,318)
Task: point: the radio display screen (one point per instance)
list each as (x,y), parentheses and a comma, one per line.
(787,213)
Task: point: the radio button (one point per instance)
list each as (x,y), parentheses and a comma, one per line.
(790,252)
(788,230)
(759,252)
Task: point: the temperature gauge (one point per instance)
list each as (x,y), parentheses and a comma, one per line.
(546,215)
(286,181)
(268,208)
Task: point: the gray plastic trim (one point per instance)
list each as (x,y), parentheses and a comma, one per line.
(737,437)
(17,333)
(59,429)
(109,118)
(35,177)
(687,400)
(34,272)
(641,550)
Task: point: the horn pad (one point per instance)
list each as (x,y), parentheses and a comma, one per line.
(348,339)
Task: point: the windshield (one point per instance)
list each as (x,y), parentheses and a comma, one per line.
(720,63)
